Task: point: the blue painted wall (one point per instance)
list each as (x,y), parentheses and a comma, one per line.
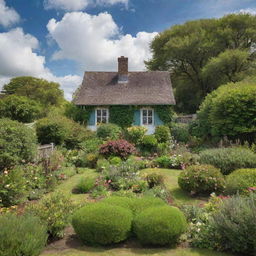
(136,118)
(157,120)
(92,118)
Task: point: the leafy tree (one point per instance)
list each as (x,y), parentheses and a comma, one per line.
(19,108)
(185,50)
(40,90)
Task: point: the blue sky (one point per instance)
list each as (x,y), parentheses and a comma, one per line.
(60,39)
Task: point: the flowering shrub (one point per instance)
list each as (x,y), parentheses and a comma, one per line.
(109,131)
(162,133)
(174,161)
(121,148)
(201,179)
(135,134)
(154,179)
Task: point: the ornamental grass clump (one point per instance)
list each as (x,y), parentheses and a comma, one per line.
(201,179)
(160,225)
(121,148)
(102,224)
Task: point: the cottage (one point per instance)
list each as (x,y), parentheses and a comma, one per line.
(143,91)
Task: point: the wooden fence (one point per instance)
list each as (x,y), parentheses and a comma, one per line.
(186,119)
(45,151)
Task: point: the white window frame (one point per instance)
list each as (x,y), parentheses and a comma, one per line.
(96,115)
(141,116)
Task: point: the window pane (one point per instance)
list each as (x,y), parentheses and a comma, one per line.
(145,113)
(104,112)
(150,120)
(150,113)
(98,120)
(104,119)
(144,120)
(98,112)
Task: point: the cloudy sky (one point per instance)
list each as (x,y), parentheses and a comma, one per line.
(59,39)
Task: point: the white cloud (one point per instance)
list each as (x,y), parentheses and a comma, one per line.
(77,5)
(8,16)
(96,41)
(17,58)
(251,11)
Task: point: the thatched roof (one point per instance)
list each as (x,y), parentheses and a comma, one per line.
(142,88)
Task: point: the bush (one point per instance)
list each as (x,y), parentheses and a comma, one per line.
(201,179)
(229,159)
(102,224)
(155,179)
(135,134)
(162,133)
(13,189)
(149,143)
(120,148)
(169,161)
(115,160)
(17,143)
(55,210)
(21,235)
(109,131)
(102,165)
(91,145)
(85,185)
(19,108)
(180,132)
(90,160)
(161,225)
(240,181)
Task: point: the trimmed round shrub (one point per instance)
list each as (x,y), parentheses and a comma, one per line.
(135,204)
(17,143)
(135,134)
(149,143)
(21,235)
(109,131)
(121,148)
(115,160)
(102,224)
(19,108)
(201,179)
(162,133)
(161,225)
(229,159)
(155,179)
(240,181)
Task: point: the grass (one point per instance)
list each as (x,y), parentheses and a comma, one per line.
(67,186)
(171,181)
(89,251)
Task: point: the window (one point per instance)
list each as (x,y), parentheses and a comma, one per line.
(102,115)
(147,116)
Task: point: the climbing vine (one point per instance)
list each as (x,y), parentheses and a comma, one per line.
(165,113)
(121,115)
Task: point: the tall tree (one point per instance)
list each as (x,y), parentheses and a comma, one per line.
(187,51)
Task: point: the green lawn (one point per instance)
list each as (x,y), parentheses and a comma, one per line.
(89,251)
(171,181)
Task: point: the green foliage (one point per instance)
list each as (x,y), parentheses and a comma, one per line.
(17,143)
(180,132)
(84,185)
(229,159)
(102,164)
(165,113)
(149,143)
(77,113)
(109,131)
(171,162)
(21,235)
(162,133)
(228,111)
(87,160)
(40,90)
(161,225)
(240,181)
(121,115)
(61,131)
(102,224)
(189,49)
(13,189)
(155,179)
(135,134)
(19,108)
(55,210)
(201,179)
(115,160)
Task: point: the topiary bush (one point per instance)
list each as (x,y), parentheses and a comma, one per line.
(102,224)
(229,159)
(135,134)
(21,235)
(240,181)
(201,179)
(17,143)
(148,143)
(109,131)
(161,225)
(84,185)
(55,210)
(162,133)
(121,148)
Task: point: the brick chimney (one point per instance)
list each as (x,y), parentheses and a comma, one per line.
(122,69)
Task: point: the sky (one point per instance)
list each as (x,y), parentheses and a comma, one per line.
(60,39)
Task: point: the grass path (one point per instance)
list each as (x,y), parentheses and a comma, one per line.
(171,181)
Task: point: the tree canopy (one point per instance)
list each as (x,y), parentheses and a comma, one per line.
(203,54)
(44,92)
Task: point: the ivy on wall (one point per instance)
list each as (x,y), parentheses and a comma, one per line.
(165,113)
(121,115)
